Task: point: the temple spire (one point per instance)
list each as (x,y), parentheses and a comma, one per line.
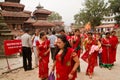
(39,6)
(16,1)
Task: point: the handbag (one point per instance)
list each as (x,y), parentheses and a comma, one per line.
(51,76)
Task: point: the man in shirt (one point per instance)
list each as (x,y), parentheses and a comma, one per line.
(26,50)
(52,39)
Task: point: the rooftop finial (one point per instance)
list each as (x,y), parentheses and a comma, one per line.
(39,6)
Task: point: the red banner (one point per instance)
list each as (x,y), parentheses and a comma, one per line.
(12,46)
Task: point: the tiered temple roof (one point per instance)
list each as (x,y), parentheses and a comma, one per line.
(16,1)
(40,18)
(43,23)
(14,14)
(11,4)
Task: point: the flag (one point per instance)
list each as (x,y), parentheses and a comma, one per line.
(87,26)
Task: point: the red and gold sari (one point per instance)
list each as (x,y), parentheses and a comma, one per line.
(91,59)
(43,63)
(76,44)
(64,68)
(107,55)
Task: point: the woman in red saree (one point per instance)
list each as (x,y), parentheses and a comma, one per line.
(76,44)
(107,55)
(114,42)
(66,60)
(43,50)
(88,56)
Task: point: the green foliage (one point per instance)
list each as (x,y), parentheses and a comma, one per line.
(93,12)
(81,18)
(55,17)
(115,6)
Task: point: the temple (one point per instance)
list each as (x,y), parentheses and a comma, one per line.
(17,19)
(39,20)
(14,14)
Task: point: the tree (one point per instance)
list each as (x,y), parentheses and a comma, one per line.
(55,17)
(115,6)
(93,12)
(80,18)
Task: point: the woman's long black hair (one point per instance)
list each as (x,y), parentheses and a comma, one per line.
(42,33)
(64,39)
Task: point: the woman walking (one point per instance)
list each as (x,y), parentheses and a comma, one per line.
(91,51)
(107,55)
(66,60)
(43,50)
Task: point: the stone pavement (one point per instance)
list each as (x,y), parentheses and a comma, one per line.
(14,63)
(99,74)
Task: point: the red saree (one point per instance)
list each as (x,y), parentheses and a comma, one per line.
(43,63)
(76,44)
(92,62)
(91,59)
(114,42)
(64,68)
(88,45)
(107,55)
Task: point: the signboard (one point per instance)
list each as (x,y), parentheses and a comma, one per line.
(12,47)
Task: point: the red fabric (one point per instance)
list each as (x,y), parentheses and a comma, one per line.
(76,43)
(78,53)
(68,37)
(87,47)
(92,62)
(64,68)
(43,64)
(85,36)
(85,56)
(91,59)
(114,42)
(107,55)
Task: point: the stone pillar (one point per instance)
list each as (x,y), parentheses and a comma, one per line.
(5,34)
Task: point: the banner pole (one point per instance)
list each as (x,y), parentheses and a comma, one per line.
(7,63)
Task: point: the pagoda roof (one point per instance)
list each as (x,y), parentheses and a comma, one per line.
(28,12)
(58,23)
(30,20)
(12,4)
(43,23)
(42,11)
(14,14)
(16,1)
(1,3)
(106,26)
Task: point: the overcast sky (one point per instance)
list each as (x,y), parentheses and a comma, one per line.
(66,8)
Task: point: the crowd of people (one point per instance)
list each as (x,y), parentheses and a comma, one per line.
(66,50)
